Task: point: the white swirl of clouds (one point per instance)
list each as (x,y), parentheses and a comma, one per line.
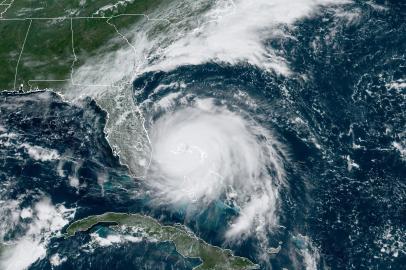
(205,152)
(198,154)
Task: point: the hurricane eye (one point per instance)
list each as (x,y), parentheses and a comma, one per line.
(203,152)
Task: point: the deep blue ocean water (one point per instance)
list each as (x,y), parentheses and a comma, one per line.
(354,214)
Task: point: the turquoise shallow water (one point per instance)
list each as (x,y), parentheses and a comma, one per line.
(341,127)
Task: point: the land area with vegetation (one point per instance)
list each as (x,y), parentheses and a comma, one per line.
(43,42)
(186,243)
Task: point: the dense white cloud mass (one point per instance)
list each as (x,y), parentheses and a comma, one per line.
(200,153)
(197,32)
(204,151)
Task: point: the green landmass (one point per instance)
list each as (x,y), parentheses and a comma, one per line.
(78,8)
(39,38)
(187,244)
(12,35)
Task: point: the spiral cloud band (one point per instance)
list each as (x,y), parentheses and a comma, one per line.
(205,152)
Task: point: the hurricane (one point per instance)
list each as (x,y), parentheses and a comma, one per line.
(220,113)
(273,129)
(204,151)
